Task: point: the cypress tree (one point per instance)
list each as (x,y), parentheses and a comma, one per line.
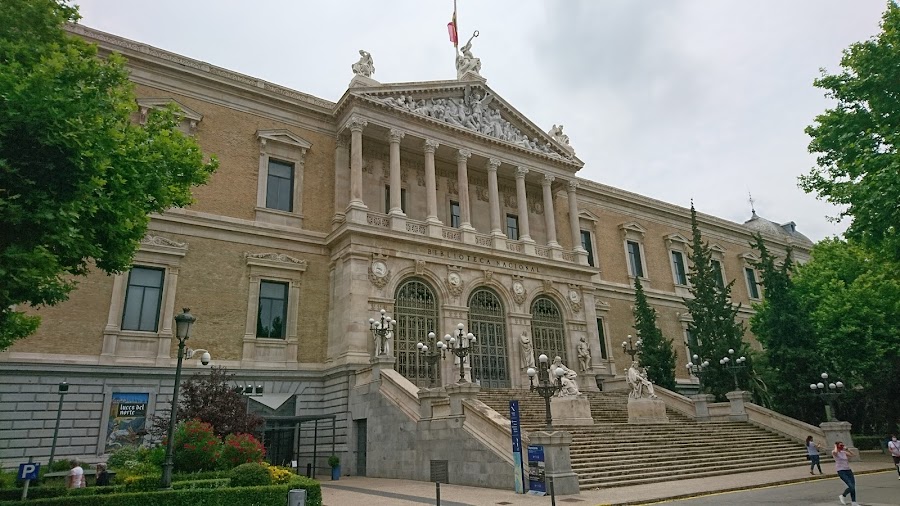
(656,354)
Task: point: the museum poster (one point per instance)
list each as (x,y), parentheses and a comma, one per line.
(127,420)
(536,469)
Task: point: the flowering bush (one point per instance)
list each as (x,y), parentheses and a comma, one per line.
(242,448)
(280,475)
(196,446)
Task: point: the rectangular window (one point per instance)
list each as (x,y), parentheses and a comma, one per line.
(634,259)
(387,199)
(142,299)
(271,317)
(602,338)
(717,272)
(512,227)
(751,283)
(678,265)
(692,345)
(280,186)
(588,246)
(454,214)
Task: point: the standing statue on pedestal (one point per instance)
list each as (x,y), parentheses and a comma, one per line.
(365,66)
(640,385)
(526,352)
(383,344)
(584,355)
(466,61)
(568,378)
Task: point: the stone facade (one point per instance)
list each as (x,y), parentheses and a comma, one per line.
(484,216)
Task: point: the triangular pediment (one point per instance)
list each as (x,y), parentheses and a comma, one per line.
(285,137)
(473,107)
(160,103)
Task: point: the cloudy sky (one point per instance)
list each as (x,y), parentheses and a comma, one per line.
(674,99)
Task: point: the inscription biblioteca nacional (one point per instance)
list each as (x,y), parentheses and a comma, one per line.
(475,259)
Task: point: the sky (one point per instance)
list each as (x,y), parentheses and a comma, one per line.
(673,99)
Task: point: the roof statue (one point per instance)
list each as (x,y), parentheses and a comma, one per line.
(365,66)
(557,133)
(466,62)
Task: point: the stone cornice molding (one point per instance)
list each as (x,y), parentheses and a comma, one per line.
(276,260)
(163,245)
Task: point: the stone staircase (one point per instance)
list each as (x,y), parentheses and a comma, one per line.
(614,453)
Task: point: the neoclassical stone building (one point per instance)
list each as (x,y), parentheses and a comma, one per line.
(437,201)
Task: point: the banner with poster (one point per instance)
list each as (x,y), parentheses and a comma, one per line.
(127,420)
(536,470)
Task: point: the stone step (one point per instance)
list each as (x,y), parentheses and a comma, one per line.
(588,482)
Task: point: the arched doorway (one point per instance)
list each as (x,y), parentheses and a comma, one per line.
(416,314)
(487,320)
(547,329)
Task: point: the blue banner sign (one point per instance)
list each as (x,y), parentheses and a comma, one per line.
(536,469)
(516,431)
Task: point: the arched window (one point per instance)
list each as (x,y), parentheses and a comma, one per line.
(416,314)
(490,357)
(547,329)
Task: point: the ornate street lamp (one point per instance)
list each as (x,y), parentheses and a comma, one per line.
(183,323)
(432,355)
(62,388)
(632,348)
(835,390)
(380,330)
(698,369)
(460,345)
(733,366)
(546,387)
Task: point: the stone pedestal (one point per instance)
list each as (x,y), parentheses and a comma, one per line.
(361,81)
(701,406)
(381,362)
(427,396)
(838,431)
(571,410)
(587,382)
(459,391)
(646,410)
(557,462)
(736,399)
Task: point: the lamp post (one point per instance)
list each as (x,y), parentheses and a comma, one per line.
(835,390)
(460,345)
(432,355)
(546,387)
(183,323)
(632,348)
(698,369)
(733,366)
(380,330)
(62,388)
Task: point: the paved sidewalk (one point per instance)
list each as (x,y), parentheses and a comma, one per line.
(353,490)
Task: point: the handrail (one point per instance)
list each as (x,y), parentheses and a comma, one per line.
(676,401)
(401,392)
(489,427)
(782,424)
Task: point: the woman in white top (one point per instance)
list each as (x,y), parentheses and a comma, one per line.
(894,447)
(842,466)
(76,476)
(812,453)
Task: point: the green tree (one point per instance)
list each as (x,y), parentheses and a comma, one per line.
(782,326)
(656,354)
(852,296)
(78,177)
(857,140)
(713,328)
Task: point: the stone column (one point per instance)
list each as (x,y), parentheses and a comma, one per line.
(430,182)
(577,247)
(736,399)
(341,179)
(549,215)
(522,201)
(462,179)
(395,137)
(356,209)
(557,461)
(494,202)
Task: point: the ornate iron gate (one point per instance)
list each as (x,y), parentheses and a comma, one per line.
(547,330)
(415,310)
(487,320)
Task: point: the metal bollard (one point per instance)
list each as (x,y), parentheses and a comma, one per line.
(309,470)
(296,497)
(552,492)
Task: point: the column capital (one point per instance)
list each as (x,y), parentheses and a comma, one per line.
(573,185)
(548,178)
(462,155)
(356,123)
(493,163)
(521,171)
(430,145)
(396,135)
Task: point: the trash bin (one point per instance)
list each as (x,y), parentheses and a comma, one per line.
(297,497)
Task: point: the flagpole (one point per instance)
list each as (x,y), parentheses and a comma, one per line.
(456,26)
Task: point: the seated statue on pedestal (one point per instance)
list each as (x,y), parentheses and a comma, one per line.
(640,385)
(569,388)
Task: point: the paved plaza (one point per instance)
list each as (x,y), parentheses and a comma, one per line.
(874,490)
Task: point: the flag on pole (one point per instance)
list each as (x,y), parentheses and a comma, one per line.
(451,28)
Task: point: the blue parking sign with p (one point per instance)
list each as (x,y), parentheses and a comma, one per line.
(29,471)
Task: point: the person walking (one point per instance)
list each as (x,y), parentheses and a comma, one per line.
(841,457)
(894,448)
(812,454)
(102,475)
(76,476)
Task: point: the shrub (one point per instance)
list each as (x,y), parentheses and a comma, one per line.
(119,457)
(280,475)
(59,465)
(251,474)
(196,446)
(142,483)
(334,461)
(242,448)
